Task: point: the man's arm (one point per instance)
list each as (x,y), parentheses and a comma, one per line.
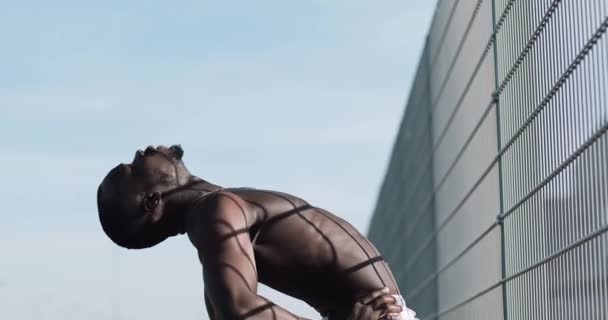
(229,269)
(209,307)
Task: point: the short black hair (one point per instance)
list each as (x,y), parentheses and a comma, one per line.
(119,222)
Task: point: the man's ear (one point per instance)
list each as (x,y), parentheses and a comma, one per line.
(151,201)
(153,206)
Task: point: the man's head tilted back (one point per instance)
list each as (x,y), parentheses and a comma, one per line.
(130,198)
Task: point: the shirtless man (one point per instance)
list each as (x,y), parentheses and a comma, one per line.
(244,236)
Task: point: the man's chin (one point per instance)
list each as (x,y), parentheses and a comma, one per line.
(177,151)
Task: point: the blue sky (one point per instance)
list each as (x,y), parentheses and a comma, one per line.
(303,97)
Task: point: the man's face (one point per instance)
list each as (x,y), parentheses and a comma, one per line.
(156,168)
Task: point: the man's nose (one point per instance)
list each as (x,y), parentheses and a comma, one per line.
(138,155)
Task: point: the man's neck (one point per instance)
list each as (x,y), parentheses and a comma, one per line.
(180,200)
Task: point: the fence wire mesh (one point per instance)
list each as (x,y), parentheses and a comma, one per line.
(495,200)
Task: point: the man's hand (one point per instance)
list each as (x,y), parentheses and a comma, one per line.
(376,305)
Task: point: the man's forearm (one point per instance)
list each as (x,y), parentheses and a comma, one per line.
(257,307)
(273,312)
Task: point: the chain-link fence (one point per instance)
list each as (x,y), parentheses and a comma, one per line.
(495,201)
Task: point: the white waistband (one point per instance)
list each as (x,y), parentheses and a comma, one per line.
(406,313)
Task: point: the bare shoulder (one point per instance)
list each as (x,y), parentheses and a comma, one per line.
(216,216)
(269,201)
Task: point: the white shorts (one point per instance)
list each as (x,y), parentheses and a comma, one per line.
(406,313)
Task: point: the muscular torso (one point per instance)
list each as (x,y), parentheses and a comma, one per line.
(309,253)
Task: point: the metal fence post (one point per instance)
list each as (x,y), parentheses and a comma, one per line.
(496,99)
